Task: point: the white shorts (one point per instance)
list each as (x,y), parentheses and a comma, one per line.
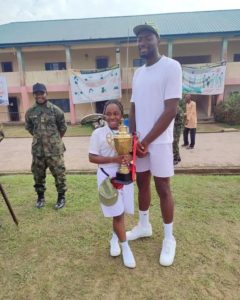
(159,161)
(125,202)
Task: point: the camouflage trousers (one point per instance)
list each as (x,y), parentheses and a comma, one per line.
(57,168)
(176,137)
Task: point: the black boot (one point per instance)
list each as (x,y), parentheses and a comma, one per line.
(40,200)
(60,201)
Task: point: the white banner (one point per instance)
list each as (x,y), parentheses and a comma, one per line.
(204,81)
(3,91)
(96,86)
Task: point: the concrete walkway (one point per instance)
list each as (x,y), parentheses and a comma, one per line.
(214,153)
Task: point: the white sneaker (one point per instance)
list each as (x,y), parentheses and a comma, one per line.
(115,249)
(168,252)
(128,258)
(139,232)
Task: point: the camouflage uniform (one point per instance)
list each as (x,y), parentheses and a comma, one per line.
(1,135)
(46,123)
(178,124)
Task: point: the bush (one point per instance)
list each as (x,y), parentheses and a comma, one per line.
(229,110)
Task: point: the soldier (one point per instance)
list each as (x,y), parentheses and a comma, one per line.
(46,123)
(178,124)
(1,135)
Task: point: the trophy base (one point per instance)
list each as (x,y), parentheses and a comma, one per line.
(123,178)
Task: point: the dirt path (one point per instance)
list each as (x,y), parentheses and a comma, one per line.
(213,150)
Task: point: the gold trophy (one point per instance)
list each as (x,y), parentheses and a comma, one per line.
(123,144)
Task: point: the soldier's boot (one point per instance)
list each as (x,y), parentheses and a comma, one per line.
(60,201)
(40,200)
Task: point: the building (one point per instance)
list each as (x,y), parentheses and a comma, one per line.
(47,52)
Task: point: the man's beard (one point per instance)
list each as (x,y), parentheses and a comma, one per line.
(148,55)
(144,56)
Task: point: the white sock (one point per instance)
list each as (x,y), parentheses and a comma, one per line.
(144,217)
(114,237)
(124,245)
(168,231)
(128,258)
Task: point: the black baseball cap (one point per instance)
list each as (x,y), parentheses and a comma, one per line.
(146,26)
(39,87)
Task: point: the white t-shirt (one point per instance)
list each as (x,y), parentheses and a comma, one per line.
(151,86)
(99,144)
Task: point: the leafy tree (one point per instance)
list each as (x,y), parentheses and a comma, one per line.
(228,111)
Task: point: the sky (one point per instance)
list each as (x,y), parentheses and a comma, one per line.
(34,10)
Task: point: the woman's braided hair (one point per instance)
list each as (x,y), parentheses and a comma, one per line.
(117,102)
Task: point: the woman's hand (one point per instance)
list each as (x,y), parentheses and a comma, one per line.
(126,159)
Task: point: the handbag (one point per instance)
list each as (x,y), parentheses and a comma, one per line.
(108,194)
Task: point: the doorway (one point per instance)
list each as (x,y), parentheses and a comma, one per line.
(13,109)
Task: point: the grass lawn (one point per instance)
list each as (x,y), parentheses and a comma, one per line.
(85,130)
(215,127)
(11,131)
(65,254)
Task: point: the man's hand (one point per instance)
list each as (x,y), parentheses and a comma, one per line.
(142,150)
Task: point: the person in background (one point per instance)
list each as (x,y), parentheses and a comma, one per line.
(178,124)
(101,152)
(190,122)
(156,90)
(46,123)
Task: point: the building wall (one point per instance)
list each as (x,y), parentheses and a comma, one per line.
(233,48)
(212,48)
(10,56)
(35,61)
(84,57)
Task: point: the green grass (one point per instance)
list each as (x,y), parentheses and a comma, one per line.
(215,127)
(19,131)
(65,254)
(12,131)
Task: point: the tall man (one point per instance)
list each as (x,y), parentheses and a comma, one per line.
(46,123)
(190,122)
(156,90)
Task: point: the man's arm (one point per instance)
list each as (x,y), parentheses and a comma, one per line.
(132,119)
(61,123)
(170,111)
(28,124)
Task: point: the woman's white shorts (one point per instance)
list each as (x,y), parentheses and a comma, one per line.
(125,202)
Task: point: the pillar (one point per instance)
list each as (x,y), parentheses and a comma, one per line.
(69,67)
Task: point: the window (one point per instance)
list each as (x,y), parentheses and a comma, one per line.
(138,62)
(201,59)
(101,62)
(236,57)
(7,66)
(61,103)
(55,66)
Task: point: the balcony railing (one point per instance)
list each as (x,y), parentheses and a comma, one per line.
(233,73)
(48,77)
(62,76)
(12,78)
